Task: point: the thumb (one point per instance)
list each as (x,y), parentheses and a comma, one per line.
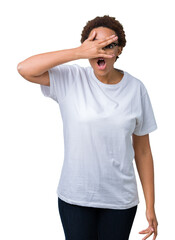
(92,36)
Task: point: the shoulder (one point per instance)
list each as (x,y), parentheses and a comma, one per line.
(66,70)
(74,67)
(136,84)
(68,67)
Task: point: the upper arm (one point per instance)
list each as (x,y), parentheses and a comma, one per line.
(42,79)
(141,144)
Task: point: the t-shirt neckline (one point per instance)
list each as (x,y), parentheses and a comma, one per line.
(106,85)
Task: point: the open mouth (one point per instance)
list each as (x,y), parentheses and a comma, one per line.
(101,63)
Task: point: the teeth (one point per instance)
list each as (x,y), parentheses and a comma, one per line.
(100,59)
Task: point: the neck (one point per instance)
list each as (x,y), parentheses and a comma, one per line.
(112,77)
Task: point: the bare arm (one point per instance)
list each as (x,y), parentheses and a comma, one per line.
(35,68)
(145,167)
(144,163)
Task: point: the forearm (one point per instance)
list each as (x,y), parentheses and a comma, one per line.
(38,64)
(145,169)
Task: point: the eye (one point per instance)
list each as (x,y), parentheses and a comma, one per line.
(110,46)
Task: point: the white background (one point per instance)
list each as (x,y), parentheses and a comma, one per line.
(31,134)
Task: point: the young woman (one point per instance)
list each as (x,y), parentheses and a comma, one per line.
(107,117)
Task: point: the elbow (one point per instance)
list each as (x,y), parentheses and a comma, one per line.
(19,67)
(21,70)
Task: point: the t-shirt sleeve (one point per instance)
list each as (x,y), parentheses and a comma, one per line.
(61,78)
(145,122)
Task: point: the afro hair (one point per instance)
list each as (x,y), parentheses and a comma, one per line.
(105,21)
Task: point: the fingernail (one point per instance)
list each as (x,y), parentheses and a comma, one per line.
(112,35)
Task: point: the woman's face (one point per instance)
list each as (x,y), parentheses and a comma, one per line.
(101,33)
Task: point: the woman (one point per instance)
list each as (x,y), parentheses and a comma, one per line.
(107,117)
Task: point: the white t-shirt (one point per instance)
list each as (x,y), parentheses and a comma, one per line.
(98,122)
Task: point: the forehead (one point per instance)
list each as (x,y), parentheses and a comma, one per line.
(102,32)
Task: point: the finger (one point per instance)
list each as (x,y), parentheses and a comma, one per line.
(106,55)
(108,41)
(103,54)
(105,39)
(155,233)
(145,231)
(154,237)
(148,235)
(92,36)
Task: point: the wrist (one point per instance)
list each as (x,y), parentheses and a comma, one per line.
(77,53)
(150,207)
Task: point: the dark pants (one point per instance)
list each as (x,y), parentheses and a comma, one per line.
(89,223)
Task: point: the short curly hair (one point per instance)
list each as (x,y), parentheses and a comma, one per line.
(105,21)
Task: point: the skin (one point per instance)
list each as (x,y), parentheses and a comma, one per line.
(35,69)
(141,144)
(109,75)
(145,167)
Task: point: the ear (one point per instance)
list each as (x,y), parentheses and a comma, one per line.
(120,50)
